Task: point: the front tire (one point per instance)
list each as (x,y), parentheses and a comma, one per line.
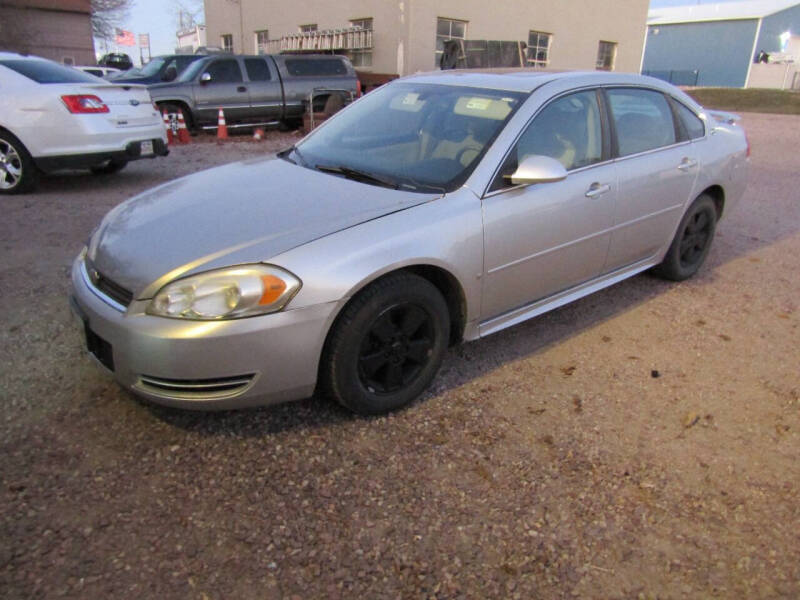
(173,110)
(387,346)
(692,241)
(18,172)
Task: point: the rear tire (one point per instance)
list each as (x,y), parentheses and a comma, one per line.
(692,241)
(387,345)
(110,166)
(18,172)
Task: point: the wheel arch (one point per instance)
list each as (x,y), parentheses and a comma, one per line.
(184,104)
(4,129)
(442,279)
(717,194)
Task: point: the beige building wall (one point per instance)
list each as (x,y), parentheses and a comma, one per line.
(405,30)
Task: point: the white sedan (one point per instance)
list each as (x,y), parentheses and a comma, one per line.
(54,117)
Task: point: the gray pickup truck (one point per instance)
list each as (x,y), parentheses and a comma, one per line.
(254,90)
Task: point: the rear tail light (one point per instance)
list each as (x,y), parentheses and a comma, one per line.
(358,88)
(84,104)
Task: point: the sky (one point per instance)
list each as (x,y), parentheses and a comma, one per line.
(158,18)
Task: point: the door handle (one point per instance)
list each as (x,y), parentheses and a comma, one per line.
(686,164)
(597,189)
(241,88)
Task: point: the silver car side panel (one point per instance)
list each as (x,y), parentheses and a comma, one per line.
(546,237)
(446,233)
(534,309)
(654,189)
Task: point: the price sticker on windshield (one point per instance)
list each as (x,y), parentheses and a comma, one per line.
(479,103)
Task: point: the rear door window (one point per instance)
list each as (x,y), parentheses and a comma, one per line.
(315,67)
(225,71)
(45,71)
(642,118)
(257,69)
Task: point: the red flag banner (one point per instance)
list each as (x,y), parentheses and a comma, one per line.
(124,38)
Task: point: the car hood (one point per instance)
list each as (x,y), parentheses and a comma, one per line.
(239,213)
(136,79)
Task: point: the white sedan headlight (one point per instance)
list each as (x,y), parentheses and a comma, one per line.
(226,294)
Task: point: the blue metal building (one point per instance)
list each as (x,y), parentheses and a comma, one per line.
(716,44)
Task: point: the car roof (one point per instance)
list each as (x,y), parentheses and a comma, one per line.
(527,80)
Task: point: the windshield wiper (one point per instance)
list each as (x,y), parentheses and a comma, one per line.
(357,175)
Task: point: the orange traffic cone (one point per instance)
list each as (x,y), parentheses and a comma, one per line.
(222,128)
(168,127)
(183,132)
(258,134)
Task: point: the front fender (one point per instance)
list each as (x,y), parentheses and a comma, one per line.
(446,233)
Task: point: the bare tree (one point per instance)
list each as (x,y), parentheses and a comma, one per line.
(187,13)
(107,16)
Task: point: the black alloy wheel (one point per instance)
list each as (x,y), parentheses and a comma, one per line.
(696,236)
(396,348)
(387,345)
(692,241)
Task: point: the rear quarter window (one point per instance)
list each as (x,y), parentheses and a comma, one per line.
(44,71)
(694,126)
(315,67)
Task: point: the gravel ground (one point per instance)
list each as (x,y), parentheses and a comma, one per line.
(642,442)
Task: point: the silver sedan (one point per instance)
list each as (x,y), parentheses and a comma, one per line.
(437,209)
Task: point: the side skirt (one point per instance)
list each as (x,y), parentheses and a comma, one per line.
(523,313)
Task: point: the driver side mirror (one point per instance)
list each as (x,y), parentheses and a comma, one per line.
(537,168)
(205,77)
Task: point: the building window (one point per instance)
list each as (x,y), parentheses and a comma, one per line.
(68,60)
(361,57)
(308,28)
(606,55)
(262,37)
(448,29)
(538,48)
(226,41)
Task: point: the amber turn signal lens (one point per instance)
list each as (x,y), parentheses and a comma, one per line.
(273,288)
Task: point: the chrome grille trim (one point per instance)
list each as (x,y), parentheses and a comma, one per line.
(197,389)
(99,293)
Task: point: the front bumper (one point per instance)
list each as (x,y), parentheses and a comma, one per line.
(203,365)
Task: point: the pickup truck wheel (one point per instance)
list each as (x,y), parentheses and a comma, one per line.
(290,124)
(173,110)
(18,173)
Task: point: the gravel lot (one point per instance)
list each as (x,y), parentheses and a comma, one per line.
(642,442)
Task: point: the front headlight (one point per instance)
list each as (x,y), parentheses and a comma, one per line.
(226,294)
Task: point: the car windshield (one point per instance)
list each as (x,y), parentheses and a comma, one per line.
(418,137)
(152,68)
(192,70)
(45,71)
